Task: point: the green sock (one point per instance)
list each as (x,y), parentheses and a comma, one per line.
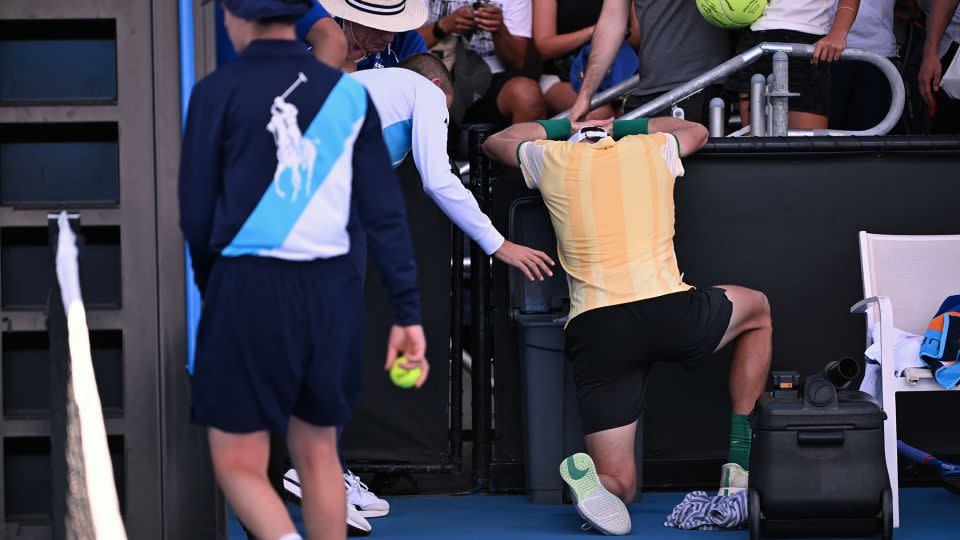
(740,435)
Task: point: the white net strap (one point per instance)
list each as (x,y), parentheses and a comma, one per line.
(97,468)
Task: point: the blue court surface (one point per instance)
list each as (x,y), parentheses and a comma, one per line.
(928,513)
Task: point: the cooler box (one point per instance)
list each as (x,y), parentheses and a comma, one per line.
(551,419)
(817,464)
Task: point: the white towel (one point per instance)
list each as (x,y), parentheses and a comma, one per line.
(906,354)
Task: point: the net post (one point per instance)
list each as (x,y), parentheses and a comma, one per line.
(56,323)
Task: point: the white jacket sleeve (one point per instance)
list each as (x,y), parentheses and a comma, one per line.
(429,141)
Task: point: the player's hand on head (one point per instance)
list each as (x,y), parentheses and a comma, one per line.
(410,342)
(605,123)
(533,263)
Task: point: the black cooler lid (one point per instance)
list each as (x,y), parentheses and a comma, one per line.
(853,410)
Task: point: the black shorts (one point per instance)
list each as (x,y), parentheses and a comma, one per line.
(811,81)
(277,339)
(613,347)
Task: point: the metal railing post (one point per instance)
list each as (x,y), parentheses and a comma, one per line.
(482,387)
(767,108)
(716,117)
(758,106)
(780,93)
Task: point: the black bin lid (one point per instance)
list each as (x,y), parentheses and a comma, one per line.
(530,226)
(855,410)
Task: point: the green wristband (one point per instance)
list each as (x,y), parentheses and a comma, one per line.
(622,128)
(557,130)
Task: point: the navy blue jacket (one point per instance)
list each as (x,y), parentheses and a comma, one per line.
(283,157)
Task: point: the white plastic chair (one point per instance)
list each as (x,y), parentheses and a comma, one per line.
(905,279)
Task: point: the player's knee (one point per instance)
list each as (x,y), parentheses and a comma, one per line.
(763,318)
(625,477)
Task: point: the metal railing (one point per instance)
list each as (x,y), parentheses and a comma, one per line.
(777,94)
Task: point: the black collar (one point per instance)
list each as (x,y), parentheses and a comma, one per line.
(276,47)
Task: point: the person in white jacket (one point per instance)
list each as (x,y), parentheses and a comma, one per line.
(413,102)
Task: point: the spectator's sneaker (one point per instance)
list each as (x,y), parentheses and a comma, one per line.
(601,509)
(359,494)
(733,479)
(357,525)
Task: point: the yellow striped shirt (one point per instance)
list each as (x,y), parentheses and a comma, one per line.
(611,204)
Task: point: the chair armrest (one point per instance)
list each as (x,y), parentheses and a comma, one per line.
(863,305)
(885,321)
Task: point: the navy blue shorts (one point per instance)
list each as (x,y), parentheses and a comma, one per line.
(277,339)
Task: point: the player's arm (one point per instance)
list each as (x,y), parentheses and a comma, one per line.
(200,178)
(383,215)
(691,136)
(502,146)
(430,120)
(607,38)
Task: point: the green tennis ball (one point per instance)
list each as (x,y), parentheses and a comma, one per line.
(404,377)
(731,14)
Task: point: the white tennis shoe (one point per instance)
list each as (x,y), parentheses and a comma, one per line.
(733,479)
(357,525)
(359,494)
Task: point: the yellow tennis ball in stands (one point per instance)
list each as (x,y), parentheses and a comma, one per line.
(404,377)
(731,13)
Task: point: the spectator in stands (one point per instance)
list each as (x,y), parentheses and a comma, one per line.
(325,37)
(799,21)
(940,50)
(676,45)
(860,94)
(561,29)
(499,31)
(378,41)
(629,306)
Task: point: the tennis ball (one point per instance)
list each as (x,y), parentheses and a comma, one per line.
(404,377)
(731,14)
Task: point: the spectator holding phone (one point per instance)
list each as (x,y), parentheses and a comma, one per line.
(499,32)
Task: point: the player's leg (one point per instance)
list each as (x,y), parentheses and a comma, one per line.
(240,465)
(314,453)
(612,451)
(751,331)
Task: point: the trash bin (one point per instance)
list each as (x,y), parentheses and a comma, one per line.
(552,429)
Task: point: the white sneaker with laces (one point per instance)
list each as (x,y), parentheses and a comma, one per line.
(359,494)
(733,479)
(357,525)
